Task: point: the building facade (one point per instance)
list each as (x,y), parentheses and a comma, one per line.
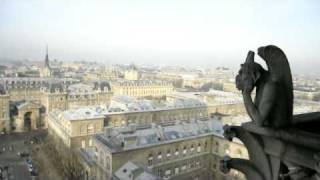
(142,88)
(180,151)
(31,88)
(4,110)
(307,95)
(57,96)
(160,116)
(51,94)
(26,116)
(131,73)
(75,128)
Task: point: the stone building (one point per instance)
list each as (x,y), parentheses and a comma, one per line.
(160,116)
(216,101)
(134,171)
(50,94)
(75,128)
(109,118)
(24,107)
(131,73)
(57,96)
(30,88)
(26,116)
(124,110)
(230,87)
(180,151)
(307,95)
(4,110)
(142,88)
(100,75)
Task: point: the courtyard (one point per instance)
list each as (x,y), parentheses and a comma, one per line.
(22,157)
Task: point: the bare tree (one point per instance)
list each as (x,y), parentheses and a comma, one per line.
(65,159)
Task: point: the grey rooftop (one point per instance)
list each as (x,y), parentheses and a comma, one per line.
(127,138)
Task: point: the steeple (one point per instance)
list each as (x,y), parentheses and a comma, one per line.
(47,58)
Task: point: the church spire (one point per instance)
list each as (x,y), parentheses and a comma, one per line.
(47,58)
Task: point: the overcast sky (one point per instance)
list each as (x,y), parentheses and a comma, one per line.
(195,32)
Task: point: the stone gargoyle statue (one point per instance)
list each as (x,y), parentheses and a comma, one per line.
(280,145)
(273,103)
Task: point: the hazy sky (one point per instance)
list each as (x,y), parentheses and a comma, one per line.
(196,32)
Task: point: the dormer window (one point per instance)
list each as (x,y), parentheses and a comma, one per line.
(177,152)
(199,148)
(184,150)
(168,153)
(150,160)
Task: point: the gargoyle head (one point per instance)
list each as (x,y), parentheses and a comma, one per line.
(249,74)
(276,61)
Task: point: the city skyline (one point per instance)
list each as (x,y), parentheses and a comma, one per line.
(152,90)
(169,33)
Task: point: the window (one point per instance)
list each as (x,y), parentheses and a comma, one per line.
(192,164)
(217,147)
(191,148)
(184,167)
(150,160)
(184,150)
(83,129)
(198,163)
(199,148)
(168,153)
(90,128)
(159,155)
(90,142)
(176,170)
(83,143)
(168,172)
(177,152)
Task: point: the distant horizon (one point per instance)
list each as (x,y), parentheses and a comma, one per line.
(295,68)
(200,33)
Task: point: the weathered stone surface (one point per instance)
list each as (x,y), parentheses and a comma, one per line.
(280,145)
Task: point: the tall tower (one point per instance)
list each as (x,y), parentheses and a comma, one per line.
(47,58)
(46,71)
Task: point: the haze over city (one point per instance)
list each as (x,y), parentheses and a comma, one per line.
(171,32)
(193,32)
(159,90)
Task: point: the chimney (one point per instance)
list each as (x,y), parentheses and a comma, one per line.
(108,131)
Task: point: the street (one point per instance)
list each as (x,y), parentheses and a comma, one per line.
(13,166)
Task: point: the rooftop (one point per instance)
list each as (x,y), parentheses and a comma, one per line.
(80,88)
(220,97)
(85,113)
(127,138)
(141,82)
(134,171)
(131,104)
